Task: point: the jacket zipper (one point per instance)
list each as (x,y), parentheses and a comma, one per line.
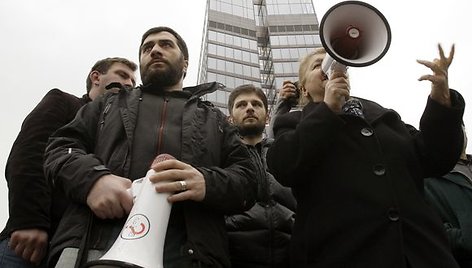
(160,133)
(105,112)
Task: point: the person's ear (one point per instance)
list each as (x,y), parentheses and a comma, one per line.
(230,119)
(95,78)
(184,69)
(304,91)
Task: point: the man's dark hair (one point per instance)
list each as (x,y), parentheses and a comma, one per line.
(243,89)
(102,66)
(180,41)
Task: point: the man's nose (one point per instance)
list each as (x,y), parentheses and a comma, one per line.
(156,51)
(249,108)
(128,83)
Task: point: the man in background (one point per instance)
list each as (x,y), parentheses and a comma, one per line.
(260,236)
(34,208)
(451,197)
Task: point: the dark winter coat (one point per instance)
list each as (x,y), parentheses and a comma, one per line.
(359,184)
(451,197)
(100,139)
(29,197)
(260,237)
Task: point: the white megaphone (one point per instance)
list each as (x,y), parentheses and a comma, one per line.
(141,241)
(353,33)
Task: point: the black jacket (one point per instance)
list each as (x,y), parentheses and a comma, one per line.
(260,237)
(100,139)
(359,184)
(29,198)
(451,197)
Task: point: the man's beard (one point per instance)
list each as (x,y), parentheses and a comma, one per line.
(167,77)
(251,130)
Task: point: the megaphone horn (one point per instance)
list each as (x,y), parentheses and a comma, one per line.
(354,33)
(141,241)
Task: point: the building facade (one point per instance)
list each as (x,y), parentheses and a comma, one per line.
(255,42)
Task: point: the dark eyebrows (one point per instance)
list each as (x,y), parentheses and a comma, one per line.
(258,101)
(240,102)
(167,40)
(163,41)
(253,102)
(147,44)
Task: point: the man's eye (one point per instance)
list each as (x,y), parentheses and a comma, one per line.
(166,44)
(146,48)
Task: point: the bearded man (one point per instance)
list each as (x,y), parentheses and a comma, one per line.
(260,236)
(114,140)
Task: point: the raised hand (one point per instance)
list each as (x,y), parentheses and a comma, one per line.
(439,78)
(288,90)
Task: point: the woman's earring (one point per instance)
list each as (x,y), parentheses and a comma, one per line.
(304,91)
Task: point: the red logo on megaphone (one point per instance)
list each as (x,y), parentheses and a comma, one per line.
(136,227)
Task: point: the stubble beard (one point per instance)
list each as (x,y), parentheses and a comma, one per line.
(251,130)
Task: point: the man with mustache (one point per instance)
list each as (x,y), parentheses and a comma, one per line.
(34,210)
(113,141)
(260,236)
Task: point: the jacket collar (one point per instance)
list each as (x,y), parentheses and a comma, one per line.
(196,91)
(464,170)
(372,111)
(85,98)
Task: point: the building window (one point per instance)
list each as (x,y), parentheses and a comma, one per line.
(211,63)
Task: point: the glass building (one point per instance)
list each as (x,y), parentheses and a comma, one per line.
(255,42)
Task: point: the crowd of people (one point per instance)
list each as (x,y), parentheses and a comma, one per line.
(328,180)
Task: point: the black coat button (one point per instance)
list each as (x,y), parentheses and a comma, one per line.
(367,132)
(379,170)
(393,214)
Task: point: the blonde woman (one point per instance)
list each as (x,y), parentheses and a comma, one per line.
(357,171)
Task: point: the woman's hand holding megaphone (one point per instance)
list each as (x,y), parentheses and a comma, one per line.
(109,197)
(183,181)
(337,91)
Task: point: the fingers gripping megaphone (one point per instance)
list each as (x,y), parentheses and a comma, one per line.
(353,33)
(141,240)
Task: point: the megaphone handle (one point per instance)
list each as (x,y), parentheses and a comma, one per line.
(328,65)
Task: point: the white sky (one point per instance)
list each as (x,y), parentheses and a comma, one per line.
(53,43)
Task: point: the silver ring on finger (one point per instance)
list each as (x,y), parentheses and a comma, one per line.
(183,185)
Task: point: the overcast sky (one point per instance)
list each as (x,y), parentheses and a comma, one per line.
(53,43)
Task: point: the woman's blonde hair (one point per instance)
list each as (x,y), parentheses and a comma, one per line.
(304,64)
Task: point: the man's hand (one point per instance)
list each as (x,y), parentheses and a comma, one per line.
(439,78)
(182,180)
(30,244)
(109,198)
